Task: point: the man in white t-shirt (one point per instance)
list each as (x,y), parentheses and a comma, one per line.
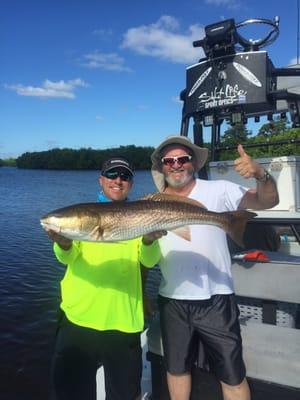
(196,297)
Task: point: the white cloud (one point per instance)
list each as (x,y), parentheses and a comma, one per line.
(99,118)
(49,89)
(163,40)
(167,21)
(226,3)
(108,61)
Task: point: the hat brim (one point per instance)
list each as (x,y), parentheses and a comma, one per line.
(200,155)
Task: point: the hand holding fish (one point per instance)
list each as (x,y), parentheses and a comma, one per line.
(151,237)
(246,166)
(63,242)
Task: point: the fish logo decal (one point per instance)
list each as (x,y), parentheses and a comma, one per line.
(200,80)
(247,74)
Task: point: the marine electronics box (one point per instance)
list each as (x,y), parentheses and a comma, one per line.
(285,170)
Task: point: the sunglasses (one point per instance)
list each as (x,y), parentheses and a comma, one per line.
(180,160)
(118,174)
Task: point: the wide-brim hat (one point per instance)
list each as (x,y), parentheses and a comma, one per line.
(199,154)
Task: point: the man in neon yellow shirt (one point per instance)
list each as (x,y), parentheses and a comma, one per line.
(102,305)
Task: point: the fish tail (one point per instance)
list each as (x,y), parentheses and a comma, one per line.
(237,221)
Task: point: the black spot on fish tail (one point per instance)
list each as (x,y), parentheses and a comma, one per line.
(237,221)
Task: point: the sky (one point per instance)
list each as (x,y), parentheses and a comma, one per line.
(100,74)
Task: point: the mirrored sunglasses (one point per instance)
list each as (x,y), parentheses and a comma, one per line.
(180,160)
(124,176)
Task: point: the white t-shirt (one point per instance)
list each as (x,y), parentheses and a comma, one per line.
(200,268)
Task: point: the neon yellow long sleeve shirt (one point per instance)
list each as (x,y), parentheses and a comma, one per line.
(102,286)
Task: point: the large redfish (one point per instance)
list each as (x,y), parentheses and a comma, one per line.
(118,221)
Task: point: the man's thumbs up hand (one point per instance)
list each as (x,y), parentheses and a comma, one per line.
(247,167)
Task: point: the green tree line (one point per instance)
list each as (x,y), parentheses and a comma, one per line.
(9,162)
(84,158)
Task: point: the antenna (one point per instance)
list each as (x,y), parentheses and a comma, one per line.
(297,31)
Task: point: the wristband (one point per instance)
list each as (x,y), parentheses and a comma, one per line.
(266,176)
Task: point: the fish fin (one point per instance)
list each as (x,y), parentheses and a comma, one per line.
(147,196)
(237,224)
(172,197)
(184,232)
(97,233)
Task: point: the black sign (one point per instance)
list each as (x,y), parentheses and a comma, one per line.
(239,82)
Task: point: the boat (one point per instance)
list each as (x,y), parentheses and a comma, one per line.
(235,81)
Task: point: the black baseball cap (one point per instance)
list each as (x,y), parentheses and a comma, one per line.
(116,162)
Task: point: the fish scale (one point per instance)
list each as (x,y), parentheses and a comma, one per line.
(146,219)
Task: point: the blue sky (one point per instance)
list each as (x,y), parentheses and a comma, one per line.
(87,73)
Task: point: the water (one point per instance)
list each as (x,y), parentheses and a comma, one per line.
(29,273)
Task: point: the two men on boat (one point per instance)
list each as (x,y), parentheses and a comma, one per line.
(102,314)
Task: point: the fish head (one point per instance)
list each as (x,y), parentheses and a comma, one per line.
(68,223)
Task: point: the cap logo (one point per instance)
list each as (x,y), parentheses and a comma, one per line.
(119,162)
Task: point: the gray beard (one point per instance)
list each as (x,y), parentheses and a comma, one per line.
(179,183)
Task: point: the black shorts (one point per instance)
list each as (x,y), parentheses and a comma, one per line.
(81,351)
(197,330)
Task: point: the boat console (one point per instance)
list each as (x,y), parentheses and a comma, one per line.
(235,81)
